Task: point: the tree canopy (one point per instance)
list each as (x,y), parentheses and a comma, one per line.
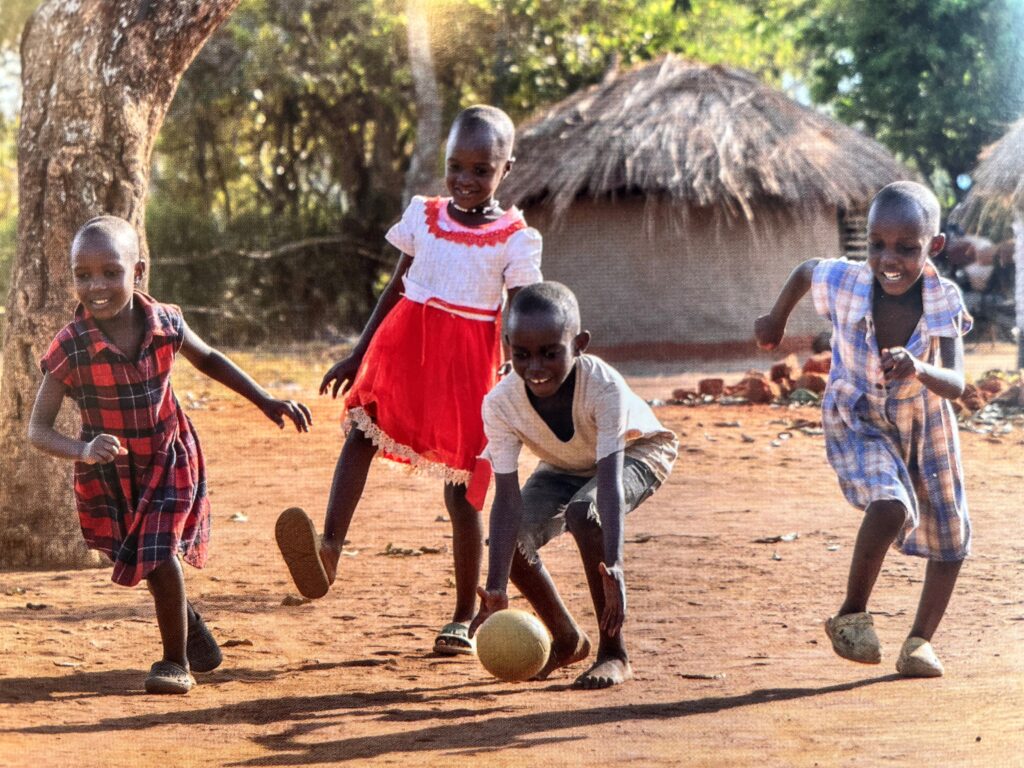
(283,158)
(935,80)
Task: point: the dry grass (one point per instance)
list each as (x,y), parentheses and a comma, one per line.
(999,178)
(696,136)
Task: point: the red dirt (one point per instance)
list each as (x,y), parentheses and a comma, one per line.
(732,666)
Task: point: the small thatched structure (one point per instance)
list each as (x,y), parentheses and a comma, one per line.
(998,181)
(999,187)
(676,197)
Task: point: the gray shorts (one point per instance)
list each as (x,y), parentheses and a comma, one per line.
(547,494)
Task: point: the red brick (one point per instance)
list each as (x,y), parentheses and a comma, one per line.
(819,363)
(711,387)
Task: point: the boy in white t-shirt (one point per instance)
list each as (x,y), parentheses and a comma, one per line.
(602,453)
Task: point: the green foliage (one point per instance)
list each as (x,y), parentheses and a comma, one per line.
(291,124)
(8,204)
(935,80)
(13,15)
(522,54)
(297,120)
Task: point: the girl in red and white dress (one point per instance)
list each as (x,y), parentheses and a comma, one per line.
(415,382)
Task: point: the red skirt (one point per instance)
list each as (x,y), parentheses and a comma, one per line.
(421,385)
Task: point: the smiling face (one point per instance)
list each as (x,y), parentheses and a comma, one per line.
(475,163)
(104,272)
(899,243)
(544,350)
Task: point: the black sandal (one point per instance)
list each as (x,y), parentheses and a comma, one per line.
(201,647)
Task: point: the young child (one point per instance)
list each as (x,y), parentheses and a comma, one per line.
(602,453)
(140,480)
(428,355)
(890,432)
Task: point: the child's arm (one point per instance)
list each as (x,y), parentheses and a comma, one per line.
(770,329)
(100,450)
(506,513)
(212,363)
(506,354)
(342,373)
(946,380)
(610,508)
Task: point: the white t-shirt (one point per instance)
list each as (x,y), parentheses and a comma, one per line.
(607,417)
(468,266)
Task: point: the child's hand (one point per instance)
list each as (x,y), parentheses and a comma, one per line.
(276,410)
(768,332)
(490,602)
(103,449)
(614,581)
(342,374)
(898,363)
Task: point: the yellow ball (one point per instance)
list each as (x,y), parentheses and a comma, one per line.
(513,645)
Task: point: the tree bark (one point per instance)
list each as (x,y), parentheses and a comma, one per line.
(421,177)
(97,79)
(1018,287)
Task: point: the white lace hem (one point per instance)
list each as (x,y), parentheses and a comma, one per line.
(418,465)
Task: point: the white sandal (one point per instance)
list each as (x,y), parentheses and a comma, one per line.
(917,659)
(853,637)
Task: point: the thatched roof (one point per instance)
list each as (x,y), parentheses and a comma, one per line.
(999,178)
(695,136)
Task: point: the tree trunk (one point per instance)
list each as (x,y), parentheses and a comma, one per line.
(97,79)
(1018,286)
(422,175)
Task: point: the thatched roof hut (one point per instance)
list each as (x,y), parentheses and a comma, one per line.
(754,182)
(999,177)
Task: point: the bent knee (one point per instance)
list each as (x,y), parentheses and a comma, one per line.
(889,513)
(579,518)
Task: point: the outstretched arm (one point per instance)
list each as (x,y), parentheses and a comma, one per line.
(506,513)
(100,450)
(611,510)
(945,380)
(218,367)
(342,373)
(770,329)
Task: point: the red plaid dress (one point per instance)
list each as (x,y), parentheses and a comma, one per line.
(143,508)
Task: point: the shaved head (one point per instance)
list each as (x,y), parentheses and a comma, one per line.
(487,121)
(108,229)
(549,298)
(913,195)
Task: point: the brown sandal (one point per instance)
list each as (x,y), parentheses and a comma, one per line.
(300,548)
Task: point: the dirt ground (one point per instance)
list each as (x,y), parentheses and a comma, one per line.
(732,666)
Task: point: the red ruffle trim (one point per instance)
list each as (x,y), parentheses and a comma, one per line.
(467,236)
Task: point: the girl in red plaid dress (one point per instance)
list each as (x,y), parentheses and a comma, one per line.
(416,380)
(140,479)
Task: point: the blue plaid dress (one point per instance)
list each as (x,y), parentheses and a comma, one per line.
(895,441)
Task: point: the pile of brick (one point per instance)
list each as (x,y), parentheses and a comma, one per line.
(994,387)
(786,381)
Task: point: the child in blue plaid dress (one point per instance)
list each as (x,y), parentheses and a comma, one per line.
(890,431)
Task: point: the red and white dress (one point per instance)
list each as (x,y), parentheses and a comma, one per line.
(422,382)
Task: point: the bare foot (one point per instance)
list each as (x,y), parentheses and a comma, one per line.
(329,556)
(564,654)
(604,674)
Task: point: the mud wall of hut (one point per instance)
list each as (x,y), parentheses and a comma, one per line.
(678,290)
